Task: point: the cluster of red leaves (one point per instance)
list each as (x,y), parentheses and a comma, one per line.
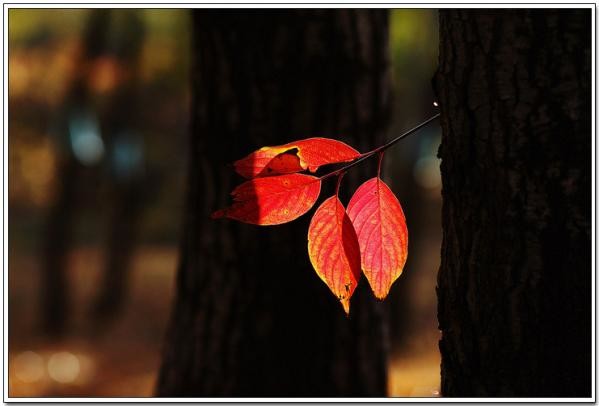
(371,235)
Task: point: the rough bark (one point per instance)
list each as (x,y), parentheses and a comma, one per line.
(514,286)
(251,318)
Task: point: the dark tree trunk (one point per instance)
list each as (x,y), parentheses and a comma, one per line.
(120,127)
(251,317)
(55,292)
(118,122)
(514,286)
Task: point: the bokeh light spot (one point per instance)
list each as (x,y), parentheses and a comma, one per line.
(427,173)
(63,367)
(86,142)
(28,367)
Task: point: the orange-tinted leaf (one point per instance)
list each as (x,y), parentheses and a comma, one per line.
(310,154)
(283,163)
(272,200)
(334,250)
(382,233)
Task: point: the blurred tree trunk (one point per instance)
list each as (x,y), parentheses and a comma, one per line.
(116,36)
(514,286)
(251,318)
(120,126)
(55,292)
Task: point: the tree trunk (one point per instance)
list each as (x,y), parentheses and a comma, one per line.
(55,289)
(251,317)
(120,123)
(514,286)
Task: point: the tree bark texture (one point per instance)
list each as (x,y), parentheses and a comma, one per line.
(514,286)
(251,317)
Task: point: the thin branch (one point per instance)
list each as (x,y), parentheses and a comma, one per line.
(367,155)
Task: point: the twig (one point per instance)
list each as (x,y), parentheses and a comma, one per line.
(367,155)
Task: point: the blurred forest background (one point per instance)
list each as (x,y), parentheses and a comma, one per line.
(98,130)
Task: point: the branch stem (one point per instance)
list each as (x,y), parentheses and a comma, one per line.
(382,148)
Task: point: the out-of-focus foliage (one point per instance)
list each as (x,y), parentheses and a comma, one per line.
(414,51)
(47,57)
(413,170)
(45,49)
(34,26)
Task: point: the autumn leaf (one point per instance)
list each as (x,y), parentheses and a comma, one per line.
(272,200)
(281,164)
(297,156)
(333,249)
(382,234)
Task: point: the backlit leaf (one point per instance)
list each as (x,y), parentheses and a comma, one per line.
(281,164)
(272,200)
(382,234)
(334,250)
(297,156)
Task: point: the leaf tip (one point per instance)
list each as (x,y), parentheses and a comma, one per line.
(381,294)
(345,304)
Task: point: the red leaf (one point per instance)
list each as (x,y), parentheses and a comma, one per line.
(310,154)
(272,200)
(334,250)
(286,162)
(382,233)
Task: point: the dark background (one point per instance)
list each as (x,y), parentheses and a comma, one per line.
(96,183)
